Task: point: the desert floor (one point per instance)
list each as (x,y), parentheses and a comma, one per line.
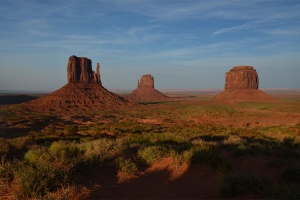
(189,147)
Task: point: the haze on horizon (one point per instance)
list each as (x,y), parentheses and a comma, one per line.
(183,44)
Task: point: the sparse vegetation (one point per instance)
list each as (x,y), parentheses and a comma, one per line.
(71,129)
(54,164)
(126,166)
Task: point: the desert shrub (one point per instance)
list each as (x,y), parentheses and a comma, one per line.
(65,192)
(181,158)
(126,166)
(36,180)
(100,150)
(236,184)
(65,151)
(6,175)
(63,154)
(208,155)
(152,153)
(21,143)
(38,156)
(71,129)
(4,147)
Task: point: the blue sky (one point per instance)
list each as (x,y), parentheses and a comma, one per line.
(183,44)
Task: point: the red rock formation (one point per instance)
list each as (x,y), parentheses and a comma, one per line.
(145,90)
(242,77)
(241,84)
(80,71)
(146,81)
(83,91)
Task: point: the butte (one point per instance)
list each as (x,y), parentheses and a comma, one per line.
(84,91)
(242,86)
(145,90)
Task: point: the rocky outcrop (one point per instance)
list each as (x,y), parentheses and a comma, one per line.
(145,90)
(242,77)
(84,91)
(80,71)
(146,81)
(241,85)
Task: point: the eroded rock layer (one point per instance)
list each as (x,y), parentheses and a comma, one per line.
(80,71)
(242,77)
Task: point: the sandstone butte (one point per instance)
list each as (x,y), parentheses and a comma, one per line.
(145,90)
(84,90)
(241,85)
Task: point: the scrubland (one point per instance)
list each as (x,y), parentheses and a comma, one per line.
(191,147)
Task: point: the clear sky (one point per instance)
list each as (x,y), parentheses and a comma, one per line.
(182,43)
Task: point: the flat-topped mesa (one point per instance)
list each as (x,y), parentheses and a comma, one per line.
(146,81)
(80,71)
(242,86)
(241,77)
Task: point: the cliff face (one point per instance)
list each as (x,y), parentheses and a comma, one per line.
(146,81)
(80,71)
(242,77)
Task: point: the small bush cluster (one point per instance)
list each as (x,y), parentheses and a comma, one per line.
(152,154)
(126,166)
(71,129)
(36,180)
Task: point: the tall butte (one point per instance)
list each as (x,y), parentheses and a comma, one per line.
(241,85)
(145,90)
(84,90)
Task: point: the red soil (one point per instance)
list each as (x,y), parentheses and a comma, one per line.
(160,181)
(147,94)
(244,95)
(79,96)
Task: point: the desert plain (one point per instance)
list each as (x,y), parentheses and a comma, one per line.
(190,146)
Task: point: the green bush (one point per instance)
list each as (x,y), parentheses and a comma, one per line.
(36,180)
(181,158)
(6,176)
(98,150)
(71,129)
(21,143)
(65,151)
(152,154)
(126,166)
(38,156)
(4,147)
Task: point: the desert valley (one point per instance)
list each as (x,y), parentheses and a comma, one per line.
(83,141)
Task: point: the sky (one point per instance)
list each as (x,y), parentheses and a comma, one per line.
(184,44)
